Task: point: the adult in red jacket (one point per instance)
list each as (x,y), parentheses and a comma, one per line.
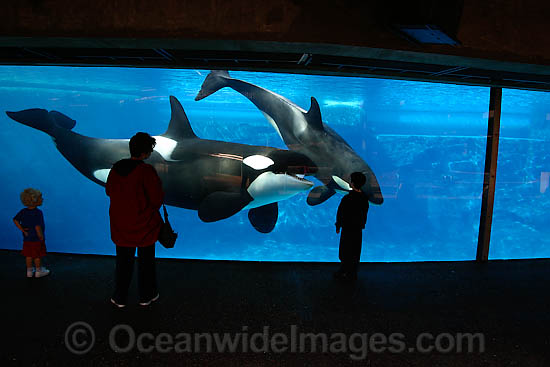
(136,195)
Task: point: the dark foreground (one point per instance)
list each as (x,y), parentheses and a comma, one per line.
(397,314)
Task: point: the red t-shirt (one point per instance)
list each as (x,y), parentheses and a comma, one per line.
(136,195)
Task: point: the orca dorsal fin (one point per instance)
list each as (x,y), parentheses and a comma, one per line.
(179,127)
(313,116)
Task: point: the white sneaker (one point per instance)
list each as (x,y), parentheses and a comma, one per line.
(119,305)
(147,303)
(30,272)
(41,272)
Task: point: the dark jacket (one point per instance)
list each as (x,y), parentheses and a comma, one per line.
(136,195)
(352,211)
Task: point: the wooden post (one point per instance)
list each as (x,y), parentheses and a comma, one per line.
(491,155)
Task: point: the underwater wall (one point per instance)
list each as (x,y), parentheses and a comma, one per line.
(424,144)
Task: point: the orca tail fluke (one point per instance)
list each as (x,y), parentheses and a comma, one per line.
(42,120)
(36,118)
(215,80)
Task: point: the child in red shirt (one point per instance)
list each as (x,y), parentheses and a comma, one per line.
(30,222)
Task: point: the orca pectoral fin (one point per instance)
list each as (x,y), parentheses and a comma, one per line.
(376,197)
(319,195)
(264,217)
(221,205)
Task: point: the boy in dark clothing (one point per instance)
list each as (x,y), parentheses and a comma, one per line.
(351,218)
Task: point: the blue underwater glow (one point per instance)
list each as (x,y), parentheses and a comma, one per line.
(424,141)
(520,221)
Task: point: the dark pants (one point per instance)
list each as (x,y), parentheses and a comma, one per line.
(350,250)
(147,275)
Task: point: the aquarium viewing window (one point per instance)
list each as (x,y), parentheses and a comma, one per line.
(520,227)
(424,144)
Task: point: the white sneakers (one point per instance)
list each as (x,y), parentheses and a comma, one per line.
(40,272)
(147,303)
(119,305)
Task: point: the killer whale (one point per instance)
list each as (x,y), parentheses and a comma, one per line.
(304,132)
(216,178)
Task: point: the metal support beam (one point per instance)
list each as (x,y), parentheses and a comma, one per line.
(491,155)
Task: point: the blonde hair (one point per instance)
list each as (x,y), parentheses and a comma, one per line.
(31,197)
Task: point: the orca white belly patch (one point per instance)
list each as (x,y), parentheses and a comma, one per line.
(102,174)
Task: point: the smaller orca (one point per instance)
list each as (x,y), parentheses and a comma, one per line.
(216,178)
(306,133)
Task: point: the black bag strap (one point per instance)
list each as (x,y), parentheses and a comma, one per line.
(165,213)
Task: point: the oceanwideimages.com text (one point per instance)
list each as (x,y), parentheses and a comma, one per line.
(122,338)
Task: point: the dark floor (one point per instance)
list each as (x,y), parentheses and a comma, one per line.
(507,301)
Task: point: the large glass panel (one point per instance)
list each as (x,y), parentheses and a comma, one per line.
(520,228)
(424,142)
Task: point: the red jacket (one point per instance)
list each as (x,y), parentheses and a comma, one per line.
(136,195)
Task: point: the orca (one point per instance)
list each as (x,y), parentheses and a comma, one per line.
(304,132)
(216,178)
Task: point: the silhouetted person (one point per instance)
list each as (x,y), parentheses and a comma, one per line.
(351,218)
(136,195)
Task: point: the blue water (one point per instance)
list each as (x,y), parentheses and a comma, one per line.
(522,196)
(424,141)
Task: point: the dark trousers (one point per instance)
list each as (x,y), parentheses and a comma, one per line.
(351,241)
(147,274)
